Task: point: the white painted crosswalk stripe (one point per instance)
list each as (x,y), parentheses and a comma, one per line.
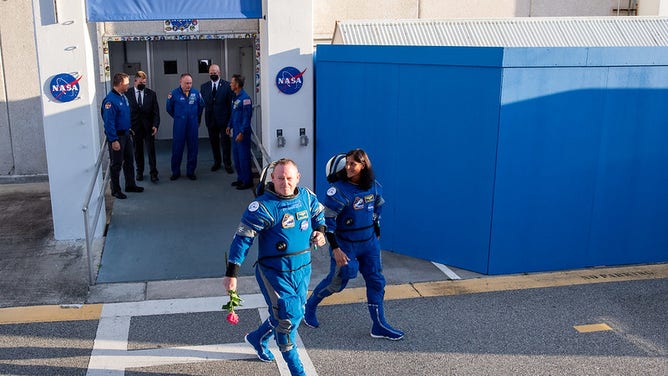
(110,355)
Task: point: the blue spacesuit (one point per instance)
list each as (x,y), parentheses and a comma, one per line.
(284,226)
(353,224)
(240,122)
(187,112)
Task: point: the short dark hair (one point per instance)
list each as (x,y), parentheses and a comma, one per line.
(185,75)
(118,79)
(240,79)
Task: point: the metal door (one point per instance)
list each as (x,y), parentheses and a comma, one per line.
(170,59)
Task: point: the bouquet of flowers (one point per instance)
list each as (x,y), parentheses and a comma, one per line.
(235,301)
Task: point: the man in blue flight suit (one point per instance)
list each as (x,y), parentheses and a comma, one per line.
(240,131)
(185,105)
(115,112)
(287,219)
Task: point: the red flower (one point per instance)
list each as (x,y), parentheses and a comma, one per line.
(233,318)
(235,301)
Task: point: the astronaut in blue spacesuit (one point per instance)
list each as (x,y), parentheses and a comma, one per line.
(239,129)
(353,204)
(185,105)
(288,220)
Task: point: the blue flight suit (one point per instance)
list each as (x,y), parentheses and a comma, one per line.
(240,122)
(284,226)
(187,112)
(115,111)
(353,216)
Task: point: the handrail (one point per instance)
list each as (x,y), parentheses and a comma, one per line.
(266,158)
(90,233)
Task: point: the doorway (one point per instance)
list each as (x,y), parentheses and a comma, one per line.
(165,60)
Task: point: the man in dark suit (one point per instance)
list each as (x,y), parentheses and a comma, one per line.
(217,108)
(145,119)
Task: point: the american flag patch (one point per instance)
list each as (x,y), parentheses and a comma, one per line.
(247,101)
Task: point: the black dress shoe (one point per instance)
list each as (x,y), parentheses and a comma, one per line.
(236,183)
(241,187)
(139,177)
(192,176)
(229,169)
(215,167)
(119,195)
(174,177)
(154,178)
(135,188)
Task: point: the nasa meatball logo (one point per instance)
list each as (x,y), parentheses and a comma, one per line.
(289,80)
(253,206)
(65,87)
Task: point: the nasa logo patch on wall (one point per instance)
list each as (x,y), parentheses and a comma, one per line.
(289,80)
(64,87)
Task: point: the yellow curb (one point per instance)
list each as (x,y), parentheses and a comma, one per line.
(50,313)
(542,280)
(358,294)
(505,283)
(592,328)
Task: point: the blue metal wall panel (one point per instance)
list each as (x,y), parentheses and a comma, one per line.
(581,174)
(142,10)
(506,161)
(429,123)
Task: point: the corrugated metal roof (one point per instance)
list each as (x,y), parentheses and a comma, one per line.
(511,32)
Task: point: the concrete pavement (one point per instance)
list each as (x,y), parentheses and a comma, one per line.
(602,321)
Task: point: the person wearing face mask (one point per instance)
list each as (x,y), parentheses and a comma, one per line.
(353,204)
(217,97)
(289,222)
(145,119)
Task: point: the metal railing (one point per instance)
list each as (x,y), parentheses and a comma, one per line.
(266,158)
(90,232)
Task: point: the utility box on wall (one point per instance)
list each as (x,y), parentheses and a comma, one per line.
(506,160)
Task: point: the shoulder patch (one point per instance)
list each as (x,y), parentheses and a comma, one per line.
(331,191)
(169,96)
(247,101)
(107,105)
(253,206)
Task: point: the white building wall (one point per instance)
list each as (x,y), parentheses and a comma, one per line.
(21,133)
(653,8)
(327,12)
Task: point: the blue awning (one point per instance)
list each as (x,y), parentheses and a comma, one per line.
(143,10)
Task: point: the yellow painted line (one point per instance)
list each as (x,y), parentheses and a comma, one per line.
(49,313)
(542,280)
(592,328)
(505,283)
(358,294)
